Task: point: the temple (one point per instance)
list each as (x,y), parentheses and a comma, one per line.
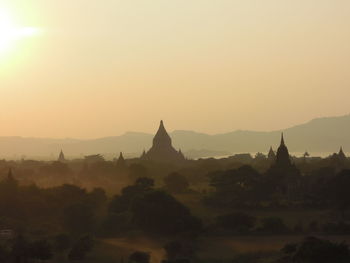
(338,160)
(121,164)
(282,157)
(162,149)
(284,174)
(341,154)
(271,155)
(61,157)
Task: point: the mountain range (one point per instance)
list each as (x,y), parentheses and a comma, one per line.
(318,136)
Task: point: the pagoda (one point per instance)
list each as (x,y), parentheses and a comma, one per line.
(162,149)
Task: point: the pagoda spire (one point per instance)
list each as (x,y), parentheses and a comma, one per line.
(282,156)
(162,138)
(61,157)
(121,161)
(162,149)
(282,139)
(341,153)
(271,155)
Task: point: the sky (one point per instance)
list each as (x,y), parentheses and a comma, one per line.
(100,68)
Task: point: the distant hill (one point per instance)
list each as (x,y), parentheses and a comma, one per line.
(322,135)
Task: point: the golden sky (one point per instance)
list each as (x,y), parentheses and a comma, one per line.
(103,67)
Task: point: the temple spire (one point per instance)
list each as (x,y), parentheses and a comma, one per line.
(341,153)
(162,149)
(162,138)
(121,164)
(282,156)
(61,157)
(271,155)
(282,139)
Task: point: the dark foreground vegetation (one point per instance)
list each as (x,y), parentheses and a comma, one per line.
(77,210)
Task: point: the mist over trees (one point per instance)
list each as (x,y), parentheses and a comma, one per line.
(313,136)
(72,210)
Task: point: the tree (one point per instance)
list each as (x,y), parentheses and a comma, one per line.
(63,195)
(116,224)
(79,218)
(96,198)
(121,203)
(176,183)
(62,243)
(179,251)
(338,190)
(144,183)
(80,249)
(316,250)
(137,171)
(139,257)
(239,222)
(40,250)
(157,212)
(4,253)
(20,249)
(235,187)
(273,225)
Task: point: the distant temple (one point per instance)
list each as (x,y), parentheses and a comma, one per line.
(61,157)
(339,159)
(341,154)
(271,155)
(162,149)
(282,157)
(284,173)
(121,164)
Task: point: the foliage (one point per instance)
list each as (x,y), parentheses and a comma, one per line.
(235,187)
(273,225)
(80,249)
(315,250)
(157,212)
(238,222)
(176,183)
(139,257)
(338,190)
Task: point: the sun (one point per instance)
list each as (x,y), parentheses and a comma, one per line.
(10,33)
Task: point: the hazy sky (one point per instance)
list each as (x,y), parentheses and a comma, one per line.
(103,67)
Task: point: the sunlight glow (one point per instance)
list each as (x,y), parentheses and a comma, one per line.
(10,33)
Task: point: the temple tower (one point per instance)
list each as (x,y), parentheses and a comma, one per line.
(271,155)
(282,157)
(121,164)
(162,149)
(61,157)
(341,154)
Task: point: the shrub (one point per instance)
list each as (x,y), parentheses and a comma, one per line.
(315,250)
(273,225)
(139,257)
(239,222)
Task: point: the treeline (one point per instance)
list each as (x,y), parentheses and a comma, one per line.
(245,187)
(41,218)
